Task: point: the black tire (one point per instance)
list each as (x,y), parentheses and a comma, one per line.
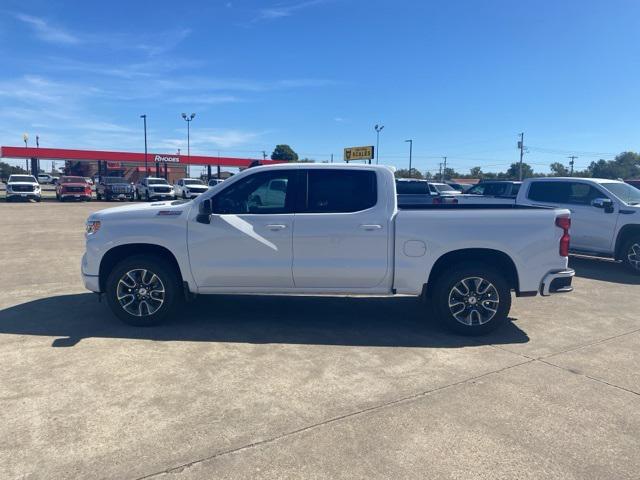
(38,199)
(107,197)
(146,196)
(164,271)
(184,195)
(98,196)
(474,309)
(631,254)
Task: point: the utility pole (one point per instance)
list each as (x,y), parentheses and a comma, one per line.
(332,158)
(444,170)
(521,147)
(410,156)
(440,170)
(571,163)
(264,155)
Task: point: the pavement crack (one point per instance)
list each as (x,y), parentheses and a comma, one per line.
(275,438)
(595,379)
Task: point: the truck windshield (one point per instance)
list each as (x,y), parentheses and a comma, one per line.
(443,187)
(111,180)
(22,178)
(193,182)
(73,180)
(627,193)
(156,181)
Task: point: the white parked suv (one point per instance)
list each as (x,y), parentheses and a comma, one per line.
(325,229)
(605,214)
(45,178)
(189,187)
(24,187)
(152,188)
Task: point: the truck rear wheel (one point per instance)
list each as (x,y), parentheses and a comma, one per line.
(631,254)
(143,290)
(472,299)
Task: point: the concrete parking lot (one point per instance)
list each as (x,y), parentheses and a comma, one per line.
(304,387)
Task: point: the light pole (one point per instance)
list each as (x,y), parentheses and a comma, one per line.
(378,129)
(410,155)
(25,138)
(188,119)
(146,168)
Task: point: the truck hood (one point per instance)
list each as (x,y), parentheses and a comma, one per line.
(142,210)
(74,184)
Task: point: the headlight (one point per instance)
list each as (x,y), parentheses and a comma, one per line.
(93,226)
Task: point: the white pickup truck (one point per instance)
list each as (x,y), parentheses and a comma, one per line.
(325,229)
(605,214)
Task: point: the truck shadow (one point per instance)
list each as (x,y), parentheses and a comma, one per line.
(388,322)
(603,270)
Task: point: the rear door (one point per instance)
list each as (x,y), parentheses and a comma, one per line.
(341,231)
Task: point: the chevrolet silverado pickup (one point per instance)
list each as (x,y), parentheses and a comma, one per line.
(330,230)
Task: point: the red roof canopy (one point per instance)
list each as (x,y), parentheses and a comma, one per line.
(132,157)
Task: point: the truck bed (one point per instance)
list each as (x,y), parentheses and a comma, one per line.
(469,206)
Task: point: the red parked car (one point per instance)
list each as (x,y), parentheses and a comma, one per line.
(76,188)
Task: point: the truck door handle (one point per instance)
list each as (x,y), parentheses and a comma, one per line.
(371,227)
(276,226)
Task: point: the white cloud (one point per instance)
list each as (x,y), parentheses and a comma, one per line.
(47,32)
(284,10)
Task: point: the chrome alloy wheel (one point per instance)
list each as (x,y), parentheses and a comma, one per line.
(633,255)
(473,301)
(140,292)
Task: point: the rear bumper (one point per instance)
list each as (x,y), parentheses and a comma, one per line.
(557,282)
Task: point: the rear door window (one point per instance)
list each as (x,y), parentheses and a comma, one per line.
(340,191)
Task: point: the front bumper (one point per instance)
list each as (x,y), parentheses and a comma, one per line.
(91,282)
(192,194)
(79,196)
(24,195)
(557,282)
(162,196)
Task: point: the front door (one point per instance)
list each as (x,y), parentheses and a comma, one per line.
(248,242)
(341,232)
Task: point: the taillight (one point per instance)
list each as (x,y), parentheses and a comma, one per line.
(564,223)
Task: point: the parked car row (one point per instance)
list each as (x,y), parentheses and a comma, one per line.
(107,188)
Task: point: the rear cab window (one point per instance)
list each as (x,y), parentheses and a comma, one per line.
(572,193)
(340,191)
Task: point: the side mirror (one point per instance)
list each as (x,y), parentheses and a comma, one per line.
(204,212)
(604,203)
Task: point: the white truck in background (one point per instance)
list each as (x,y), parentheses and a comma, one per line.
(325,229)
(605,214)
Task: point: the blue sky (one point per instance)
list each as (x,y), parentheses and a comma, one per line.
(460,78)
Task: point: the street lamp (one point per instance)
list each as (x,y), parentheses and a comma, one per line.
(188,119)
(378,129)
(410,155)
(146,168)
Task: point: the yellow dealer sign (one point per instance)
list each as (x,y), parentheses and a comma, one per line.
(358,153)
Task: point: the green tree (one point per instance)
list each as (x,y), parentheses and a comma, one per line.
(625,165)
(6,170)
(475,172)
(284,152)
(404,173)
(514,171)
(559,170)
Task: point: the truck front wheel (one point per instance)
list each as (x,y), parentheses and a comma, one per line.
(631,254)
(143,290)
(472,299)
